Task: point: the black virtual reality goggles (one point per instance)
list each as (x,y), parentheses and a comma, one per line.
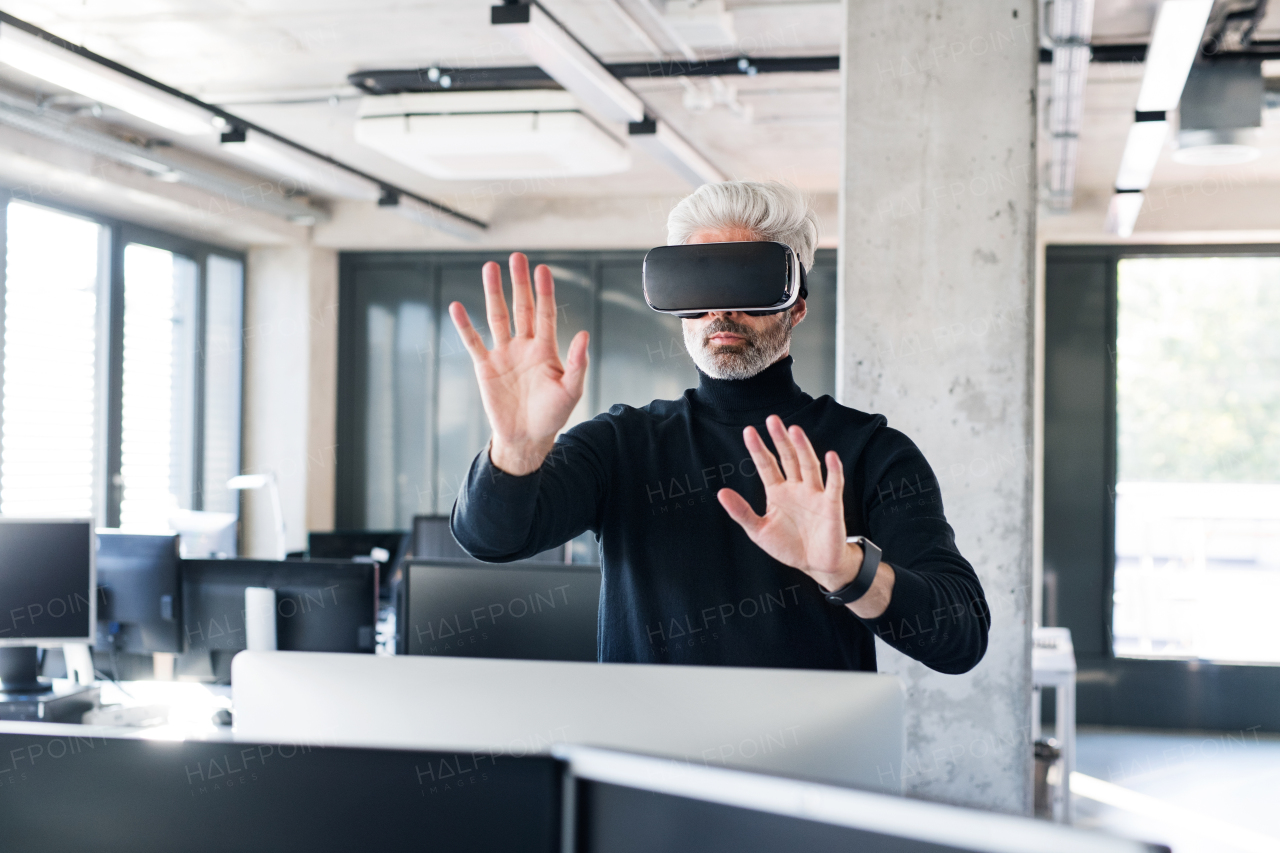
(755,278)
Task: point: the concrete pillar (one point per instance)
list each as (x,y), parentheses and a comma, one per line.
(936,295)
(290,391)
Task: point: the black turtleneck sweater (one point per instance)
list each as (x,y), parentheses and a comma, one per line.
(682,583)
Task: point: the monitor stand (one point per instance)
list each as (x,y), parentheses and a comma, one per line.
(23,696)
(20,671)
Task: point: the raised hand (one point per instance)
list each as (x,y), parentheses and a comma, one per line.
(528,393)
(803,524)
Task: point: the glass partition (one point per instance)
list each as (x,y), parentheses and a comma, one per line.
(410,416)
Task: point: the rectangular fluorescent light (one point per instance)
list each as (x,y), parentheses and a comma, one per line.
(1122,214)
(567,62)
(661,142)
(1141,152)
(61,67)
(1175,41)
(422,214)
(313,175)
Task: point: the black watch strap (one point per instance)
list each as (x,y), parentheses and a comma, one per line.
(861,582)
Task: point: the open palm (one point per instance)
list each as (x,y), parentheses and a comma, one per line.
(803,523)
(528,393)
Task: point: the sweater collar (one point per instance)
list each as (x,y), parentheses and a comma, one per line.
(769,389)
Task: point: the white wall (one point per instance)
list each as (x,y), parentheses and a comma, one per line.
(936,301)
(290,390)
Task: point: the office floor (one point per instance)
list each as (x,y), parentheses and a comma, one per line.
(1198,792)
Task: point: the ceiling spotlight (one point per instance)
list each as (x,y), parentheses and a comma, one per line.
(1228,147)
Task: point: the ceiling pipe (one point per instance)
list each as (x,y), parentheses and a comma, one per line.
(1068,26)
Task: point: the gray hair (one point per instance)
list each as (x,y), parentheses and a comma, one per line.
(770,210)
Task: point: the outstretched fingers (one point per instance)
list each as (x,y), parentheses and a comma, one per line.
(766,464)
(810,470)
(470,337)
(782,443)
(521,295)
(575,366)
(546,309)
(495,305)
(740,511)
(835,477)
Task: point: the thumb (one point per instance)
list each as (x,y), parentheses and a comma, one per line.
(575,368)
(740,511)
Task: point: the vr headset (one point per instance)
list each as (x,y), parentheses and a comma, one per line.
(756,278)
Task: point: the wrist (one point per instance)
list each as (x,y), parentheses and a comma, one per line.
(845,571)
(519,458)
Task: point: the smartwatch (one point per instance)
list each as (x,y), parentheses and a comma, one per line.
(862,581)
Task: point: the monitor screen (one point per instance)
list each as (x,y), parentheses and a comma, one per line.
(146,795)
(47,581)
(321,605)
(528,611)
(433,540)
(625,802)
(139,601)
(347,544)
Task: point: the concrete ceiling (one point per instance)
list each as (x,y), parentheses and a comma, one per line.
(284,65)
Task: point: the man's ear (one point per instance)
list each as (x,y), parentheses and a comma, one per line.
(797,312)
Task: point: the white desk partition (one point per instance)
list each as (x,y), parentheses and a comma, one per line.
(838,727)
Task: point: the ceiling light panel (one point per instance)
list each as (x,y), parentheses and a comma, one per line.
(1175,41)
(567,62)
(1122,214)
(1141,152)
(61,67)
(313,175)
(490,135)
(668,147)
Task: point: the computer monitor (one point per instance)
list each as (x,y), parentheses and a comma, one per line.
(139,794)
(47,593)
(359,544)
(432,539)
(527,611)
(321,605)
(139,593)
(624,803)
(205,534)
(840,727)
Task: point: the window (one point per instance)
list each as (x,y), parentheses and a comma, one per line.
(1160,393)
(120,388)
(51,405)
(157,404)
(224,322)
(1197,538)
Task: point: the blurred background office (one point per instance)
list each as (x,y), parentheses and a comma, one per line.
(1050,254)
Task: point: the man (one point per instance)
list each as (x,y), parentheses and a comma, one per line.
(691,579)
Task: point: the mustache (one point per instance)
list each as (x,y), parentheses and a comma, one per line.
(724,324)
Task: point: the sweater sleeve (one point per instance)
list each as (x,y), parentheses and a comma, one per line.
(938,613)
(499,517)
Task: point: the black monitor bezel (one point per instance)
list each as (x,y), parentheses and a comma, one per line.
(92,593)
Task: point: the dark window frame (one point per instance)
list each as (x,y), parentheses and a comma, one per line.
(1079,513)
(120,233)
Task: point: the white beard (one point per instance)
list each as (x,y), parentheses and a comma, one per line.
(741,361)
